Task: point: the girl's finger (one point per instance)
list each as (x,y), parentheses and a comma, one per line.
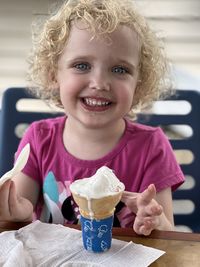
(4,196)
(145,231)
(4,192)
(12,201)
(153,209)
(141,229)
(127,194)
(147,195)
(130,200)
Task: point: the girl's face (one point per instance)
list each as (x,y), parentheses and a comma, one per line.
(97,76)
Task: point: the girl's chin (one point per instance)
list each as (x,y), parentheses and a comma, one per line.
(95,122)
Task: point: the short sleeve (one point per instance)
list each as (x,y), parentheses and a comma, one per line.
(160,165)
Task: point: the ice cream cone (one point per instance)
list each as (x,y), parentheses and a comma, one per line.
(97,197)
(97,208)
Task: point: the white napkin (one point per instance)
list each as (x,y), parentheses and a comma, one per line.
(50,245)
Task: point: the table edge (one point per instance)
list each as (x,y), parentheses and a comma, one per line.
(156,234)
(117,231)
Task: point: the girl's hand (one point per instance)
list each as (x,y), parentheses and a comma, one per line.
(146,208)
(12,206)
(149,212)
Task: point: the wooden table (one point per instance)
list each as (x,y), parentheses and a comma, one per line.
(182,249)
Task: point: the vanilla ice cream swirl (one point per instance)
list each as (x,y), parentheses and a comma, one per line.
(103,183)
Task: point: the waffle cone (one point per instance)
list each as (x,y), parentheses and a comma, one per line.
(100,208)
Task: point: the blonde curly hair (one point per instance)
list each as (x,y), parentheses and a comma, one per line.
(102,17)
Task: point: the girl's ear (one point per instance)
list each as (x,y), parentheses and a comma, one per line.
(55,84)
(53,80)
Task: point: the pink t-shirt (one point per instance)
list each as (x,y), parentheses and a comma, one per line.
(142,156)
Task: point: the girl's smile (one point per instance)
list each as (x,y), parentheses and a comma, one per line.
(97,104)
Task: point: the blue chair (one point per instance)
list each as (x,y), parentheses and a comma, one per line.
(13,123)
(189,193)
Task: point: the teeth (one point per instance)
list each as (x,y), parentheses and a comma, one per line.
(95,103)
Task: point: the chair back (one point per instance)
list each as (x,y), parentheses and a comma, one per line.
(14,122)
(186,199)
(183,125)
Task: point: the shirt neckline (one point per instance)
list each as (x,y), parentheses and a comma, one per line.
(97,162)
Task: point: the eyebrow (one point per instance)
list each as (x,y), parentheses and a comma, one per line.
(77,57)
(70,60)
(130,65)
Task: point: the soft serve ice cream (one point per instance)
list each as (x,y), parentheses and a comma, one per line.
(102,183)
(98,195)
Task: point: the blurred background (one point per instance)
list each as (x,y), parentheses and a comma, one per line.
(176,21)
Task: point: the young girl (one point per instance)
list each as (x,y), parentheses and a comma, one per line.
(100,62)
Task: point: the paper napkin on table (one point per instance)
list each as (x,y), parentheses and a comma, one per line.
(50,245)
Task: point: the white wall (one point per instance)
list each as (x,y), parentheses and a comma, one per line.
(15,38)
(178,21)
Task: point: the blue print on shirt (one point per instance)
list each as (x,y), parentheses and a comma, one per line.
(51,211)
(59,206)
(50,187)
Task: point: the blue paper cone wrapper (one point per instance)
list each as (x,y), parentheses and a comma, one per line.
(97,234)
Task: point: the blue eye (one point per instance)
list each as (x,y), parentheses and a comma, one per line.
(82,66)
(119,70)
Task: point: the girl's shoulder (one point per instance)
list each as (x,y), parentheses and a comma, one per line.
(45,129)
(135,129)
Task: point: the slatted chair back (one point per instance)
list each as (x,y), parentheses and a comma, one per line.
(182,122)
(14,122)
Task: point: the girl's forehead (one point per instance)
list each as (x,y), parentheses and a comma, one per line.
(121,32)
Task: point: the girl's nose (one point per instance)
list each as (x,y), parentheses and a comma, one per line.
(100,81)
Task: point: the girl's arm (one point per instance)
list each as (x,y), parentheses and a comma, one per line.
(164,198)
(18,198)
(153,211)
